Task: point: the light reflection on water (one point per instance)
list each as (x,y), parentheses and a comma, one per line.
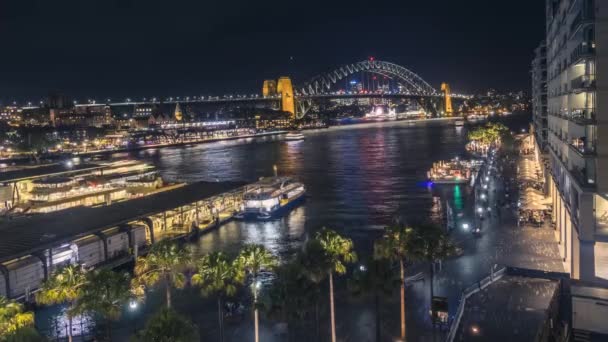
(357,180)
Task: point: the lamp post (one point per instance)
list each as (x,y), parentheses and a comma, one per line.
(133,305)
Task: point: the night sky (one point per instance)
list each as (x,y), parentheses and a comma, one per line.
(132,48)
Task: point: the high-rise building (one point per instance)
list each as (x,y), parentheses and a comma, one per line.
(539,95)
(577,88)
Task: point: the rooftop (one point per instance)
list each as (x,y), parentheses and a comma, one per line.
(52,170)
(27,235)
(510,309)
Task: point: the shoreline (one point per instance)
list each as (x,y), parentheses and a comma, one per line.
(407,122)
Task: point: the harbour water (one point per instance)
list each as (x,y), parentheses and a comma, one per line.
(358,179)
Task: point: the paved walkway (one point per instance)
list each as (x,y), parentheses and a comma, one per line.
(512,308)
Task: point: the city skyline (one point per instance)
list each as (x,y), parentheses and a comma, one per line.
(188,49)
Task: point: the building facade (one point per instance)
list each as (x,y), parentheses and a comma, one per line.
(539,95)
(577,139)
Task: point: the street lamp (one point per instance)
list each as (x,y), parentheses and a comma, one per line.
(133,307)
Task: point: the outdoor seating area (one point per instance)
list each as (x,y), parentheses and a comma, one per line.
(533,206)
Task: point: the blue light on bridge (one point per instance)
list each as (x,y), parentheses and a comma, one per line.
(353,82)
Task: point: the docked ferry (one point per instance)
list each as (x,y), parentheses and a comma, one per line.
(270,197)
(454,171)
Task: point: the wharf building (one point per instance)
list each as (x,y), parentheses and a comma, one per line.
(577,133)
(33,247)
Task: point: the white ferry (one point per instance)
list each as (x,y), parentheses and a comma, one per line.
(294,136)
(381,113)
(270,197)
(459,122)
(476,118)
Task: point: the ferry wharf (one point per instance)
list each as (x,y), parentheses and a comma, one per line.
(31,248)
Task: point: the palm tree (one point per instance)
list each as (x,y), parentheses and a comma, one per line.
(217,275)
(398,245)
(433,245)
(105,293)
(64,286)
(377,278)
(13,317)
(315,264)
(288,298)
(253,259)
(168,326)
(164,264)
(339,251)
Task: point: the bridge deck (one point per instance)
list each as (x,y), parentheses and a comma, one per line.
(23,236)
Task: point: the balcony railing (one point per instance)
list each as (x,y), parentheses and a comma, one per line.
(582,147)
(581,176)
(583,116)
(584,50)
(583,82)
(585,16)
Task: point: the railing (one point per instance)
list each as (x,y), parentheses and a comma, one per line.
(583,115)
(580,174)
(582,147)
(583,82)
(585,49)
(586,15)
(468,292)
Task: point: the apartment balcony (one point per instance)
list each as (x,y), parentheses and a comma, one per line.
(583,51)
(584,17)
(584,178)
(583,148)
(583,83)
(581,116)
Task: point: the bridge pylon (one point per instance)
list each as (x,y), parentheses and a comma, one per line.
(445,88)
(283,87)
(288,102)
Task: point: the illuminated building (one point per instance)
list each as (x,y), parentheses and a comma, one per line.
(268,121)
(143,111)
(577,67)
(10,114)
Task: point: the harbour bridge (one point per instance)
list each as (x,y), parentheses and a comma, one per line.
(388,81)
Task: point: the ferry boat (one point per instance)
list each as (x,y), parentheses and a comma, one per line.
(476,118)
(294,136)
(381,113)
(270,197)
(455,171)
(459,122)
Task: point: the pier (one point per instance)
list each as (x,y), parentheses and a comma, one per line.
(31,248)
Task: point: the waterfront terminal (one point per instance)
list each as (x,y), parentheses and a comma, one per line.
(32,247)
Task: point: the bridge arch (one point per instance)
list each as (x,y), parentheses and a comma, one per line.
(412,83)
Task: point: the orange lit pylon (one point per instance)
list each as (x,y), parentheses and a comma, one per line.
(445,88)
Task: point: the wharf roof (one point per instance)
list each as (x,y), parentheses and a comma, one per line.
(28,235)
(52,170)
(511,309)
